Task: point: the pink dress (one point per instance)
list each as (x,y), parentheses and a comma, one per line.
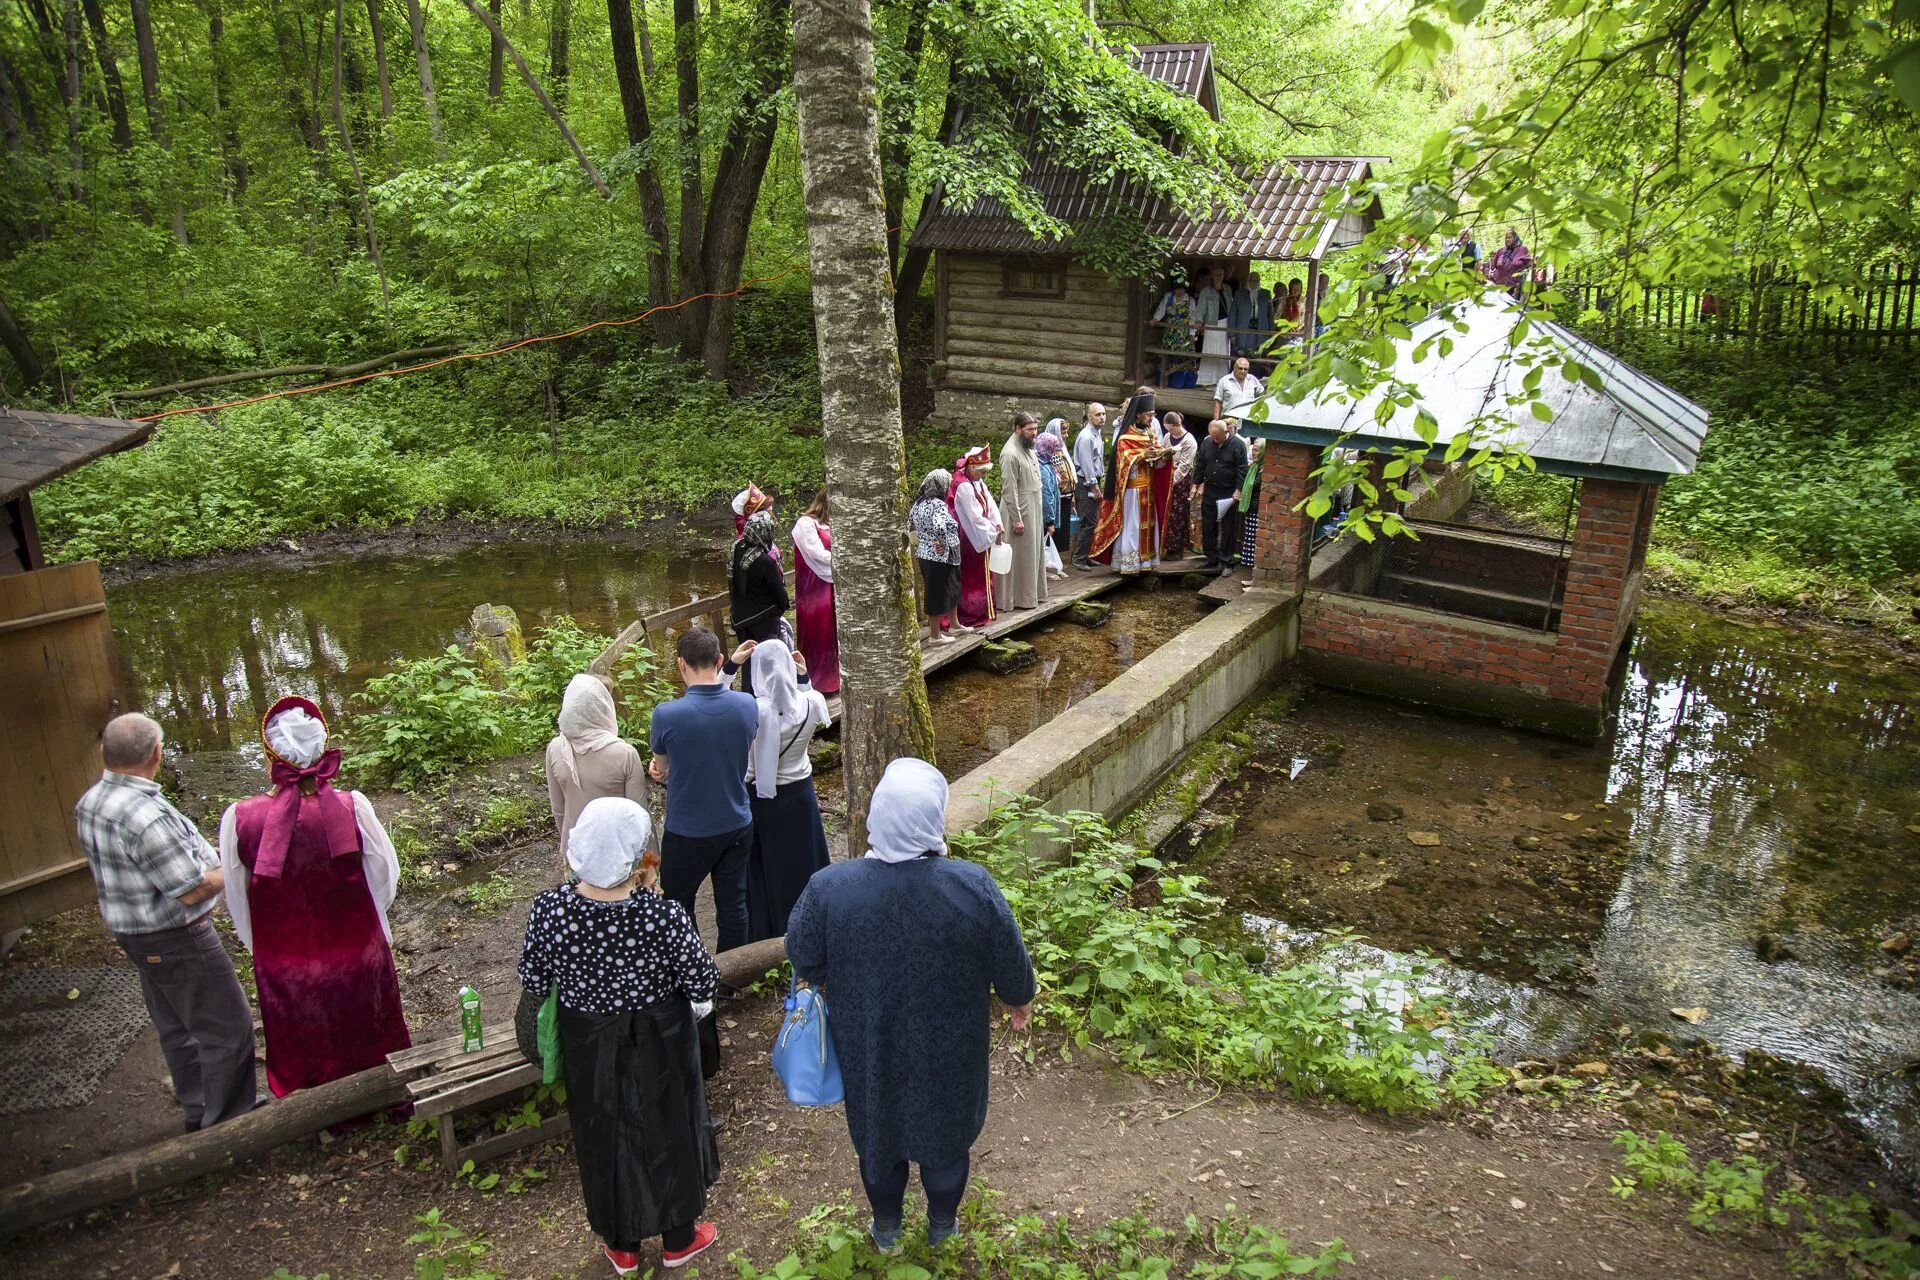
(813,613)
(329,998)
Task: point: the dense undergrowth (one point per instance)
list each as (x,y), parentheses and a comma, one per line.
(1136,962)
(629,434)
(1808,485)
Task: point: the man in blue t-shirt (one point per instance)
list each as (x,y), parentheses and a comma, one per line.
(700,744)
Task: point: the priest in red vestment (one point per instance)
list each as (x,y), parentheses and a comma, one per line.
(1127,535)
(310,874)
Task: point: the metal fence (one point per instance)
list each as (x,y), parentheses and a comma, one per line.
(1882,311)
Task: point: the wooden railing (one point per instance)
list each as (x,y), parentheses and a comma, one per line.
(1884,310)
(1158,360)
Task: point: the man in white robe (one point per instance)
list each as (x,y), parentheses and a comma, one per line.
(1024,585)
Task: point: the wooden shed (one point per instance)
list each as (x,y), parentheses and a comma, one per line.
(58,679)
(1019,323)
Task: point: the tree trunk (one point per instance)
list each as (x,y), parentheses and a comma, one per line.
(653,204)
(70,90)
(109,73)
(223,122)
(353,162)
(902,112)
(559,39)
(496,58)
(686,57)
(737,175)
(546,103)
(417,23)
(150,91)
(646,38)
(379,29)
(14,339)
(883,694)
(913,264)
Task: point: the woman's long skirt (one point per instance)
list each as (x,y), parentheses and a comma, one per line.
(813,612)
(1214,347)
(976,587)
(789,845)
(640,1128)
(942,583)
(1176,540)
(1249,526)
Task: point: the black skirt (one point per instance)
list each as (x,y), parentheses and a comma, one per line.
(942,581)
(789,845)
(639,1110)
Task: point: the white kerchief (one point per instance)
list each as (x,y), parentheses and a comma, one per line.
(783,705)
(296,737)
(607,841)
(586,719)
(908,816)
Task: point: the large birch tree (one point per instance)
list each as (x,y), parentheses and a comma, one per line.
(883,693)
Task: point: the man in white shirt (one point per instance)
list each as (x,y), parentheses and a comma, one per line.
(1234,394)
(1089,470)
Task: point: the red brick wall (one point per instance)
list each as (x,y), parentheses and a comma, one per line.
(1592,615)
(1424,640)
(1284,542)
(1502,566)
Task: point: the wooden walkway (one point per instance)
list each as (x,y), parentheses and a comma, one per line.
(711,611)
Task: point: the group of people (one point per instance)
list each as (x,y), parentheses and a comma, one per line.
(1224,318)
(1512,267)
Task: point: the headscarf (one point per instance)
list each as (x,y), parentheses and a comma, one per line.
(756,536)
(607,841)
(586,720)
(936,486)
(908,816)
(1048,444)
(784,705)
(300,763)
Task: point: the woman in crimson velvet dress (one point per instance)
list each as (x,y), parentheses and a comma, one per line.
(310,874)
(813,595)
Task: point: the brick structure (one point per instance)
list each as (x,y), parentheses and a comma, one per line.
(1283,545)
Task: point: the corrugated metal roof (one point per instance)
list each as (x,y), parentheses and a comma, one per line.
(1282,201)
(38,447)
(1633,428)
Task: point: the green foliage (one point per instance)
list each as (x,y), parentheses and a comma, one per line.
(429,715)
(450,1253)
(491,895)
(1138,961)
(1847,1235)
(991,1242)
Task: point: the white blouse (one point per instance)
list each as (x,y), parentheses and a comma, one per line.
(806,541)
(795,739)
(378,863)
(979,514)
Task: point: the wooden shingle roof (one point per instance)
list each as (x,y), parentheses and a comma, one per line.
(39,447)
(1282,218)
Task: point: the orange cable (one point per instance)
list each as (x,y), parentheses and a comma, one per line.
(472,355)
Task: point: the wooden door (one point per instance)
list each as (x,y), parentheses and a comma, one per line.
(57,689)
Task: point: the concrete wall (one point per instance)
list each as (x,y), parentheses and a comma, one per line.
(1106,752)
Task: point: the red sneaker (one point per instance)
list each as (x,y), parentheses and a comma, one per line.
(624,1263)
(704,1234)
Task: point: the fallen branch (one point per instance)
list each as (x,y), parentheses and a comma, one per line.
(553,112)
(70,1192)
(325,372)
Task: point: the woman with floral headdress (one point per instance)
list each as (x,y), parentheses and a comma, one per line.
(978,515)
(310,874)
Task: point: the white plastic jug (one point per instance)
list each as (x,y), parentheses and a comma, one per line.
(1000,558)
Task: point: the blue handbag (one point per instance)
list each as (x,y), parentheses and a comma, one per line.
(803,1054)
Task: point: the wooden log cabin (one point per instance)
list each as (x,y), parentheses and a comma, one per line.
(1020,324)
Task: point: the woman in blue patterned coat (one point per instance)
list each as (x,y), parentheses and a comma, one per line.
(907,947)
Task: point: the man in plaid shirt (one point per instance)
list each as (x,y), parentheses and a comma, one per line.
(157,880)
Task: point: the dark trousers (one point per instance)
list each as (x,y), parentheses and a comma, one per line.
(944,1186)
(1219,538)
(687,860)
(677,1238)
(202,1015)
(1086,504)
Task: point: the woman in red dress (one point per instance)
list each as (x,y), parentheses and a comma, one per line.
(979,519)
(813,595)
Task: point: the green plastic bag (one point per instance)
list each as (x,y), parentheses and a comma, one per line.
(548,1036)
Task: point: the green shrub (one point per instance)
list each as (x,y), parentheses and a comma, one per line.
(1138,960)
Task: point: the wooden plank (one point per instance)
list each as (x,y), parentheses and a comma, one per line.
(481,1090)
(982,319)
(1039,388)
(995,367)
(33,768)
(1081,363)
(1047,308)
(486,1062)
(447,1048)
(512,1140)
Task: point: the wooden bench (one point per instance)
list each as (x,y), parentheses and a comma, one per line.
(453,1081)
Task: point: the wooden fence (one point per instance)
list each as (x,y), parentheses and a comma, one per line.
(1884,310)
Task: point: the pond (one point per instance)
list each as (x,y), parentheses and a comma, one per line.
(1739,849)
(206,651)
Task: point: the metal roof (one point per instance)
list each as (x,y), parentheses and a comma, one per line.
(1633,428)
(38,447)
(1282,218)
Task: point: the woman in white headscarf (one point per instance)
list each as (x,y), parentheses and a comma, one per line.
(587,759)
(628,965)
(908,947)
(789,843)
(309,876)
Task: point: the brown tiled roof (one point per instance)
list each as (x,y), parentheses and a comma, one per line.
(1282,202)
(37,447)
